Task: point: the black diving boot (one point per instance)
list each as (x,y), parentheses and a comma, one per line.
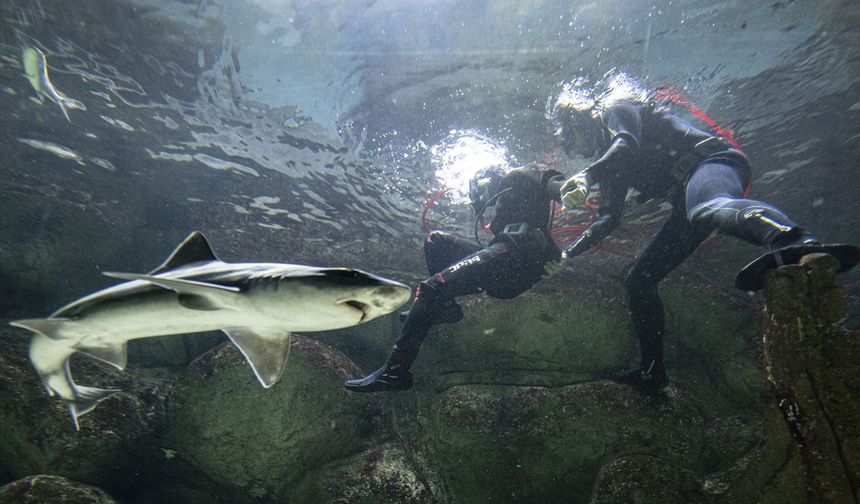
(392,376)
(648,381)
(788,244)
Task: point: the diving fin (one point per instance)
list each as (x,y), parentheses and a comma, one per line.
(751,277)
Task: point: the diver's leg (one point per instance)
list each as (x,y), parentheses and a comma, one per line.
(715,199)
(433,304)
(442,249)
(675,241)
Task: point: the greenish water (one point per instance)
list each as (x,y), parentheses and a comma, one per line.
(319,133)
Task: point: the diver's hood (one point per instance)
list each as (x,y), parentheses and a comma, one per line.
(484,186)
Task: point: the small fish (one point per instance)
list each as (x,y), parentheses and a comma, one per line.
(104,163)
(36,69)
(257,305)
(58,150)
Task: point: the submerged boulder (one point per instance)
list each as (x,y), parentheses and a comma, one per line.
(512,404)
(645,478)
(813,365)
(44,488)
(383,474)
(260,441)
(538,444)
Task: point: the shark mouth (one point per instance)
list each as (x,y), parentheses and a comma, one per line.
(358,305)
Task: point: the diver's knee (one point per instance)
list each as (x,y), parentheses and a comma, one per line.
(434,237)
(433,289)
(707,208)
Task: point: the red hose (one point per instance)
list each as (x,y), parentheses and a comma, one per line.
(428,205)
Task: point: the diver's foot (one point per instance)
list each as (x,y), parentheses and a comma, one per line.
(751,277)
(387,378)
(647,383)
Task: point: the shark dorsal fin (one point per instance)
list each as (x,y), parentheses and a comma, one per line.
(194,249)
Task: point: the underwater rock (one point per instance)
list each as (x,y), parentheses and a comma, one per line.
(813,364)
(39,437)
(384,474)
(581,332)
(531,340)
(511,404)
(259,441)
(537,444)
(767,473)
(644,478)
(45,488)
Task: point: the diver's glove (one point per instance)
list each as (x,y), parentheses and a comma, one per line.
(574,192)
(551,269)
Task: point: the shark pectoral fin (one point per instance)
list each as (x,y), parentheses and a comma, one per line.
(50,327)
(266,350)
(116,356)
(86,398)
(193,295)
(175,284)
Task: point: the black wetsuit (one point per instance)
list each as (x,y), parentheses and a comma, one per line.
(656,153)
(511,264)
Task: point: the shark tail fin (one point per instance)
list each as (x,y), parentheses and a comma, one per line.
(50,327)
(86,398)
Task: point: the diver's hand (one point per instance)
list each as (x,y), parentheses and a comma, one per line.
(574,192)
(551,269)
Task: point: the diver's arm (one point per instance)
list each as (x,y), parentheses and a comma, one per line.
(617,158)
(624,126)
(612,195)
(553,180)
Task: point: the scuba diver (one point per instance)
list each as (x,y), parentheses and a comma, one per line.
(519,255)
(704,178)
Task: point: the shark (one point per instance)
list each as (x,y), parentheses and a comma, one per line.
(257,305)
(36,69)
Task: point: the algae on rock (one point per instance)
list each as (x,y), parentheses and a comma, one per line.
(813,363)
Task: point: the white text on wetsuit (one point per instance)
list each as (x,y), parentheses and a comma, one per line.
(465,262)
